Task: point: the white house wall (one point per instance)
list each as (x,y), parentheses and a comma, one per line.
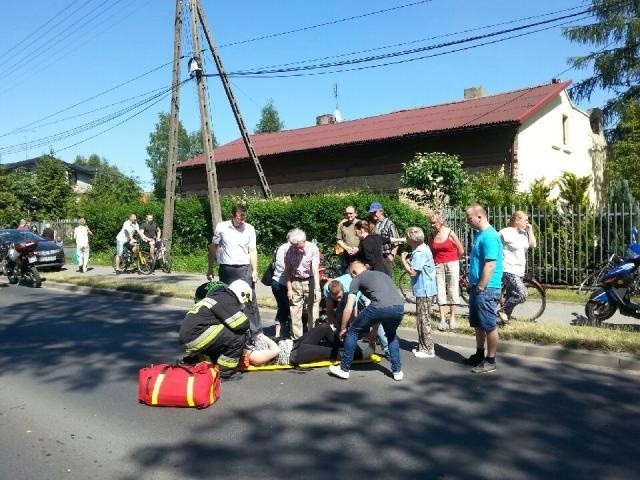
(541,151)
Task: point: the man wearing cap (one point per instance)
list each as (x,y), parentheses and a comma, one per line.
(384,227)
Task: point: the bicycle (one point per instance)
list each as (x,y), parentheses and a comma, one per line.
(535,304)
(404,284)
(162,258)
(134,255)
(592,281)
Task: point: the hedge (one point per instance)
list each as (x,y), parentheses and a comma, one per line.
(318,215)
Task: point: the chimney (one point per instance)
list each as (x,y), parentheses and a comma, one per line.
(556,80)
(473,92)
(325,119)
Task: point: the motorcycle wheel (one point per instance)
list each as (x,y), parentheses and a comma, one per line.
(33,276)
(598,311)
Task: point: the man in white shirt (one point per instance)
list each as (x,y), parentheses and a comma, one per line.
(125,235)
(233,248)
(81,235)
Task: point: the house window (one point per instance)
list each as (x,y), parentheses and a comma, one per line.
(565,129)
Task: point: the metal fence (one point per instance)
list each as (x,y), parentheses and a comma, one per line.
(570,243)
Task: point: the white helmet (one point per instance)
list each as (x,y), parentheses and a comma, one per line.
(242,290)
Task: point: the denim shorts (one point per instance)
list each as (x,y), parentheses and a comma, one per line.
(483,307)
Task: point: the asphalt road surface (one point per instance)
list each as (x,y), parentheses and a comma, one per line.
(68,409)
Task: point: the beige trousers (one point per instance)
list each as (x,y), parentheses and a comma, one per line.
(303,299)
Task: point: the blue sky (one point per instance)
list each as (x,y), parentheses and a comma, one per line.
(55,54)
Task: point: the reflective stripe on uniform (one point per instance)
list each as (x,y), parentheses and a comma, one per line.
(235,320)
(227,362)
(156,389)
(207,302)
(204,339)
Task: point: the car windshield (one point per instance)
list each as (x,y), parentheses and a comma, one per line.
(16,236)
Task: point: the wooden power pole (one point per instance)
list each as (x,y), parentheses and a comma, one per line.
(197,19)
(170,194)
(266,191)
(205,123)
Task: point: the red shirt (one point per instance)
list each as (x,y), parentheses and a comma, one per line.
(444,252)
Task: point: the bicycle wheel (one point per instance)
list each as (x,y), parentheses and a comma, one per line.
(404,284)
(535,304)
(145,263)
(463,285)
(166,263)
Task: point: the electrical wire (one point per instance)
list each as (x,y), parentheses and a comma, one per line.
(272,72)
(93,97)
(87,126)
(324,24)
(410,42)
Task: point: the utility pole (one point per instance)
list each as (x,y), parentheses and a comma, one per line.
(205,125)
(170,193)
(232,101)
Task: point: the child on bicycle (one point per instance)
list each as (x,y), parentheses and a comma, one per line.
(422,270)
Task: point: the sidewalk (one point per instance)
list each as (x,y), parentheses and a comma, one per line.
(555,313)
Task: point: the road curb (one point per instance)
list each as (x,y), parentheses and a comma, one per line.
(549,352)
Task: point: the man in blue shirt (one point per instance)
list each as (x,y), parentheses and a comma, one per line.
(485,280)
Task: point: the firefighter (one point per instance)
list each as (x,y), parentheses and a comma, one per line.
(216,325)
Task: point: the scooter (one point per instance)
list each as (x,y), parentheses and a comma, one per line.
(19,263)
(616,288)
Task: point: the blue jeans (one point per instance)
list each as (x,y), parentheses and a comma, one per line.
(390,318)
(483,307)
(282,315)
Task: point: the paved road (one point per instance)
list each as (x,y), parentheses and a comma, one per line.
(68,409)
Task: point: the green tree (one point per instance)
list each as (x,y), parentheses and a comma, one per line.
(539,192)
(620,192)
(269,119)
(494,188)
(111,185)
(434,180)
(54,190)
(574,191)
(623,162)
(615,34)
(189,145)
(9,211)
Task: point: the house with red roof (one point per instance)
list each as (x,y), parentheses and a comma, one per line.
(529,133)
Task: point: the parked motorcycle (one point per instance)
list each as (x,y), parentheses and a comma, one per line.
(616,288)
(19,263)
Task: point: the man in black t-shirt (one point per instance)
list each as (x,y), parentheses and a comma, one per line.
(150,233)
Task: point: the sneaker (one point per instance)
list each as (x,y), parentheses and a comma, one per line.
(423,354)
(474,360)
(453,325)
(484,367)
(119,271)
(232,378)
(442,326)
(397,376)
(337,371)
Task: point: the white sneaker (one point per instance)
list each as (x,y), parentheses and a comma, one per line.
(338,372)
(423,354)
(453,325)
(397,376)
(442,326)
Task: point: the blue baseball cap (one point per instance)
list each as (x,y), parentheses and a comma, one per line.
(375,206)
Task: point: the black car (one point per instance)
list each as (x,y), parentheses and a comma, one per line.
(50,254)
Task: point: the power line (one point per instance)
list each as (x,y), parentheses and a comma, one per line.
(255,73)
(324,24)
(451,34)
(87,126)
(56,41)
(93,97)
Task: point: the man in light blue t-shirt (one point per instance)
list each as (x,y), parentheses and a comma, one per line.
(485,280)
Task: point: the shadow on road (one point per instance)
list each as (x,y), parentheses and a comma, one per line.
(546,424)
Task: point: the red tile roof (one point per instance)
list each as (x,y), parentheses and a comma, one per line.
(510,107)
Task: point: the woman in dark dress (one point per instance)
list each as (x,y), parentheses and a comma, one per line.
(370,248)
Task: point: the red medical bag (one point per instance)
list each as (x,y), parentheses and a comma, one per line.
(166,385)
